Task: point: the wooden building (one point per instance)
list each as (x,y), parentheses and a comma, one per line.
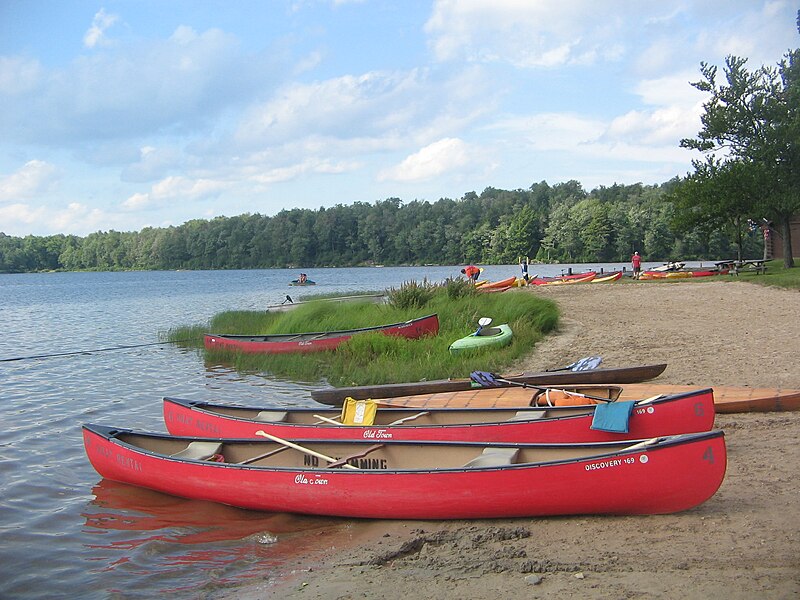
(774,241)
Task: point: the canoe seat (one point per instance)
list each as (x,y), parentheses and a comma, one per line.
(528,415)
(270,416)
(199,450)
(494,457)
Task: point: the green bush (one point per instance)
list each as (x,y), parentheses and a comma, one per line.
(411,294)
(458,288)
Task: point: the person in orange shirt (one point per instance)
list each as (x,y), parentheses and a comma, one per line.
(472,272)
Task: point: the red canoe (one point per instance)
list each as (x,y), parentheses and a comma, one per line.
(282,343)
(684,413)
(419,480)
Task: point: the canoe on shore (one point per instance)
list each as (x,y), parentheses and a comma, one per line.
(727,399)
(685,413)
(418,480)
(607,277)
(564,279)
(619,375)
(503,284)
(282,343)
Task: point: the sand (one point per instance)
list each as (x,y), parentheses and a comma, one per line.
(743,543)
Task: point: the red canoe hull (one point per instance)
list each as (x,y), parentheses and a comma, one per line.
(672,475)
(684,413)
(316,342)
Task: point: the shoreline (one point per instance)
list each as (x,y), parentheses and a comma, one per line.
(744,542)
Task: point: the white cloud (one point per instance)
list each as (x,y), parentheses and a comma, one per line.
(96,34)
(436,159)
(175,189)
(676,114)
(75,218)
(548,131)
(12,215)
(153,163)
(348,105)
(635,136)
(33,178)
(545,33)
(85,218)
(552,33)
(287,173)
(178,85)
(19,75)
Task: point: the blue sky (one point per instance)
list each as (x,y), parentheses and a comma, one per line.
(132,113)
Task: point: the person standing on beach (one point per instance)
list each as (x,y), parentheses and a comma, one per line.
(472,272)
(523,264)
(636,261)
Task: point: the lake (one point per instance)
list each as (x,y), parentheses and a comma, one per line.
(64,531)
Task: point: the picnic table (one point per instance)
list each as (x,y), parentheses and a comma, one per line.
(736,266)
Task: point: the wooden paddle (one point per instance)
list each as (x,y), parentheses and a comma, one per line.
(260,456)
(303,449)
(326,420)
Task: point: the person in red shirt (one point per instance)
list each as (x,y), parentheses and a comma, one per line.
(472,272)
(636,261)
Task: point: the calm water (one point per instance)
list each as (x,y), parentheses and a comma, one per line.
(66,532)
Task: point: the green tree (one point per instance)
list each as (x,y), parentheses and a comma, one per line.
(720,195)
(754,117)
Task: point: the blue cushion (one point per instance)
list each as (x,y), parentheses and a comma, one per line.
(612,416)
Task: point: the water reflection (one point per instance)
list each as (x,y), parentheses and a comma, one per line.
(159,540)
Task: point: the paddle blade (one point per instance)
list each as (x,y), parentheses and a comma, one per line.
(586,364)
(583,364)
(484,379)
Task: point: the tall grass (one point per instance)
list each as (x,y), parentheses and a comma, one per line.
(373,358)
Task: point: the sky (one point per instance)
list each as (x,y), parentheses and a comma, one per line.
(126,114)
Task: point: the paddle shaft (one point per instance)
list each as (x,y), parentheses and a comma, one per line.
(544,389)
(275,438)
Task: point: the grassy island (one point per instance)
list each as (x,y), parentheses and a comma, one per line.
(372,358)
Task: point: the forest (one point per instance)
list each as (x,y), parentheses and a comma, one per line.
(548,223)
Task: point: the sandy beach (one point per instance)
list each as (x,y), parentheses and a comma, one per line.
(743,543)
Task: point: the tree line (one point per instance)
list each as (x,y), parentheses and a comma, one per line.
(547,223)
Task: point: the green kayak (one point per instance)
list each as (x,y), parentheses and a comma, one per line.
(484,338)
